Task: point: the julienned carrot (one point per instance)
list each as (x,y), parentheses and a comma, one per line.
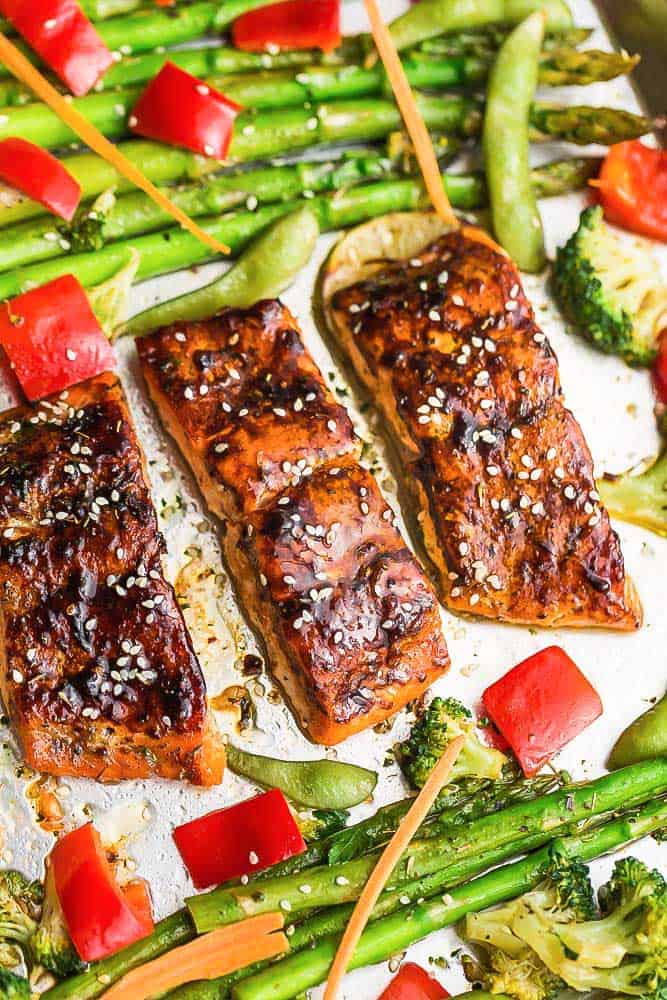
(414,122)
(17,63)
(385,866)
(207,957)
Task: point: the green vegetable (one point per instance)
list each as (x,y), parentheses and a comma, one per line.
(505,142)
(628,787)
(610,292)
(644,738)
(639,499)
(443,721)
(436,17)
(552,937)
(51,944)
(392,934)
(174,248)
(265,270)
(319,784)
(20,902)
(342,883)
(108,220)
(322,823)
(110,301)
(13,987)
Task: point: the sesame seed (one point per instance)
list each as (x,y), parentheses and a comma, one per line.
(341,880)
(253,858)
(17,677)
(71,355)
(569,493)
(464,548)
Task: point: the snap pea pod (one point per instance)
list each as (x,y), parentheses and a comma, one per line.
(318,784)
(266,269)
(644,738)
(438,17)
(505,142)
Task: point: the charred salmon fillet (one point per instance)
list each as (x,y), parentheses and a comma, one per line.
(98,674)
(497,466)
(350,622)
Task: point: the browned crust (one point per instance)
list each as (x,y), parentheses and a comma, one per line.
(350,623)
(498,467)
(98,674)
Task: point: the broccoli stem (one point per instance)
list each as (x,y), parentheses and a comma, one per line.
(639,499)
(341,883)
(394,933)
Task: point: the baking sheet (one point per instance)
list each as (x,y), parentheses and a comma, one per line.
(614,406)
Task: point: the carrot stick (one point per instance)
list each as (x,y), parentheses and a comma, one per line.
(26,72)
(385,866)
(216,954)
(414,122)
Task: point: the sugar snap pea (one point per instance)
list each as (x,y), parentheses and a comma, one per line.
(318,784)
(505,141)
(644,738)
(263,271)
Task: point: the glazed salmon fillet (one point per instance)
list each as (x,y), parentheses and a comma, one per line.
(98,673)
(351,624)
(496,465)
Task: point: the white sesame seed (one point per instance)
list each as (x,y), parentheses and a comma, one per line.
(464,548)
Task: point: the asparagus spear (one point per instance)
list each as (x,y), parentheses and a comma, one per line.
(334,919)
(643,781)
(320,80)
(486,41)
(279,90)
(173,249)
(136,214)
(394,933)
(333,884)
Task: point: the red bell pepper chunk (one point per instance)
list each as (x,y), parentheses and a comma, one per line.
(414,983)
(137,895)
(99,914)
(633,188)
(540,705)
(241,840)
(64,38)
(293,24)
(53,339)
(660,370)
(37,173)
(179,109)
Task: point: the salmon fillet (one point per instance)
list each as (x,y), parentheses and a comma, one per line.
(350,622)
(98,673)
(495,463)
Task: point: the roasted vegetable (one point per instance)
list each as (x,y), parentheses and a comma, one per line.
(444,719)
(322,823)
(51,945)
(609,292)
(19,908)
(13,987)
(639,499)
(553,938)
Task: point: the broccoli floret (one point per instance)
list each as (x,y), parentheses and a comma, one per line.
(509,964)
(322,823)
(443,721)
(609,292)
(13,987)
(639,499)
(623,951)
(20,901)
(51,945)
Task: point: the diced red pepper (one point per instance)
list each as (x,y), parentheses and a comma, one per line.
(633,188)
(37,173)
(138,897)
(660,370)
(241,840)
(179,109)
(293,24)
(61,34)
(540,705)
(53,339)
(99,914)
(414,983)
